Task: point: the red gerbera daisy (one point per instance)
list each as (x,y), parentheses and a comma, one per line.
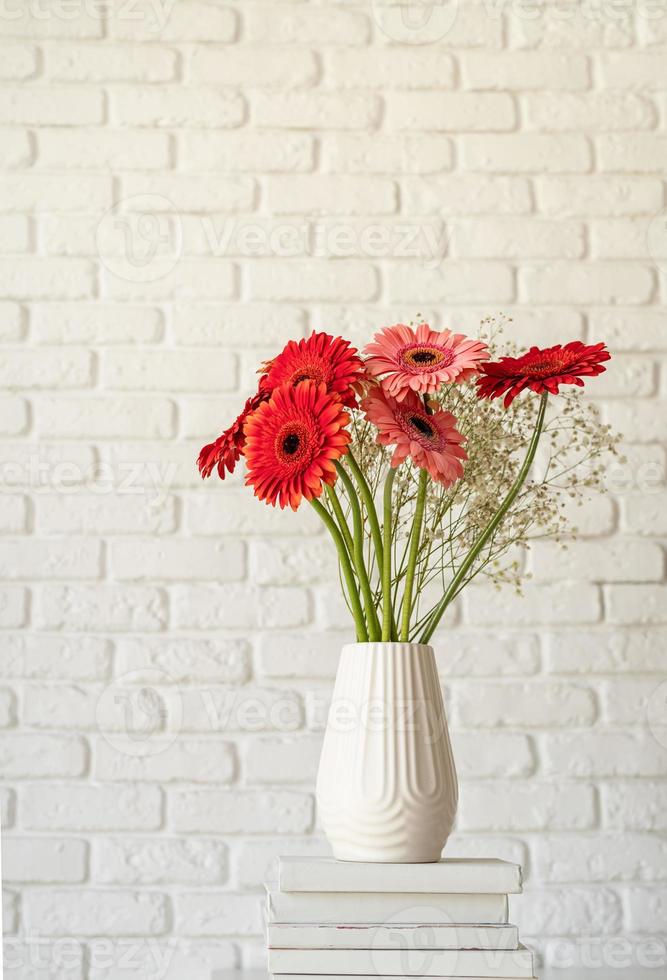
(227,449)
(542,370)
(432,441)
(293,441)
(422,360)
(320,358)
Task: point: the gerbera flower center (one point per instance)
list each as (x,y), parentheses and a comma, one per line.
(421,357)
(422,425)
(292,443)
(548,366)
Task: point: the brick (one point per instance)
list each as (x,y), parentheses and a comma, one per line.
(62,706)
(271,760)
(245,152)
(65,149)
(481,755)
(254,66)
(198,279)
(290,655)
(636,604)
(605,651)
(13,606)
(188,107)
(286,24)
(316,110)
(39,278)
(101,607)
(167,760)
(592,112)
(11,322)
(236,607)
(541,604)
(74,807)
(17,150)
(40,860)
(289,563)
(450,282)
(51,106)
(623,238)
(16,234)
(635,805)
(194,21)
(50,559)
(168,371)
(492,654)
(17,61)
(55,658)
(624,70)
(525,70)
(46,369)
(105,417)
(450,112)
(603,858)
(13,413)
(607,754)
(587,283)
(218,914)
(156,560)
(558,912)
(385,155)
(416,68)
(646,513)
(526,153)
(520,238)
(572,197)
(570,26)
(109,63)
(526,806)
(154,468)
(97,323)
(276,279)
(224,812)
(163,861)
(134,513)
(466,195)
(7,708)
(96,913)
(616,560)
(41,756)
(331,195)
(529,705)
(646,909)
(14,515)
(644,153)
(181,193)
(257,323)
(245,709)
(638,421)
(184,659)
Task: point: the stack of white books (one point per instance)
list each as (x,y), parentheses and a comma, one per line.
(329,919)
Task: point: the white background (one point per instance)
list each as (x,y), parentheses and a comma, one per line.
(449,161)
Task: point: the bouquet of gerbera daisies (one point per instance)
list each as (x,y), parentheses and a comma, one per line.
(421,477)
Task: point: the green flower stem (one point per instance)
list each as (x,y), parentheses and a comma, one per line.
(369,503)
(491,527)
(359,563)
(415,539)
(340,517)
(387,610)
(346,565)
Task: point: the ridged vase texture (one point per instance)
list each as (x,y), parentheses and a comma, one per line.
(387,789)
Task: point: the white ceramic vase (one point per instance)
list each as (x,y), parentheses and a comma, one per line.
(386,788)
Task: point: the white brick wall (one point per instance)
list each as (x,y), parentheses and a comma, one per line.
(275,167)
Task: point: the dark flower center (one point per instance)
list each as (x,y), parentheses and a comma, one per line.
(547,367)
(423,357)
(421,425)
(291,443)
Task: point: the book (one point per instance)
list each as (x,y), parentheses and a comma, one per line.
(340,976)
(451,875)
(406,908)
(402,962)
(418,937)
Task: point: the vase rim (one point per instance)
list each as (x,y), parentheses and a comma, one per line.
(389,644)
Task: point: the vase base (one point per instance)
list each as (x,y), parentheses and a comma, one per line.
(385,856)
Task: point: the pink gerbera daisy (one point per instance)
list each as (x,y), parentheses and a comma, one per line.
(422,360)
(431,440)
